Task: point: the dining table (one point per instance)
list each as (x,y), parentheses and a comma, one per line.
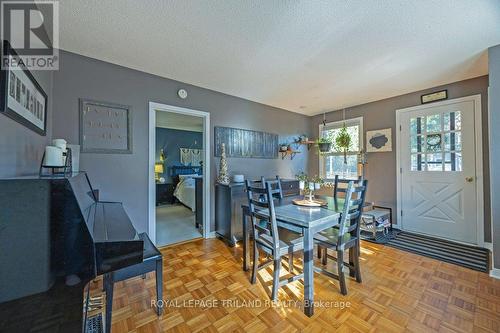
(305,220)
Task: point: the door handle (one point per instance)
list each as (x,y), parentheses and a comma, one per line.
(469,179)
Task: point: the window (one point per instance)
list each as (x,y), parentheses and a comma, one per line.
(332,163)
(436,142)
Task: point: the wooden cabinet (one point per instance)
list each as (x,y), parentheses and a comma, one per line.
(290,187)
(228,201)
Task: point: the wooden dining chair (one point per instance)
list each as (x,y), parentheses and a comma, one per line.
(346,236)
(336,190)
(276,189)
(276,242)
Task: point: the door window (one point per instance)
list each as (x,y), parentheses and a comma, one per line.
(436,142)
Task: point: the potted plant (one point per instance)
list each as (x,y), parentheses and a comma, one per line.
(302,178)
(318,182)
(343,142)
(324,144)
(283,147)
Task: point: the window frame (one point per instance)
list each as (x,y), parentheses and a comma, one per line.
(335,125)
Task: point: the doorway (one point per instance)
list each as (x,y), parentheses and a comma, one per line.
(440,183)
(179,171)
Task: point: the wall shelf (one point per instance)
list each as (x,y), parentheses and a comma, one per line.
(308,143)
(290,153)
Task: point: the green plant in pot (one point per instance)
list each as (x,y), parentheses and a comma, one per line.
(318,182)
(343,142)
(324,144)
(283,146)
(302,178)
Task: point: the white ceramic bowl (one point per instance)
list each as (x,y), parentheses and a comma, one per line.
(238,178)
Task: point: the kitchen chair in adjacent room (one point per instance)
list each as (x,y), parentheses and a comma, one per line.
(346,236)
(152,261)
(274,241)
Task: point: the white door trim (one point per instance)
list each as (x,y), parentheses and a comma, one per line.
(153,107)
(479,158)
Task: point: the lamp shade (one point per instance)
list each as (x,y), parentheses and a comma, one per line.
(158,168)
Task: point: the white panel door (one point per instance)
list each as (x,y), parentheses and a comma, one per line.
(438,176)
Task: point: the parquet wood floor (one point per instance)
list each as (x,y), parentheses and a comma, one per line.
(401,292)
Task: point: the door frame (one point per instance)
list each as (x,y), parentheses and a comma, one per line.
(478,152)
(153,107)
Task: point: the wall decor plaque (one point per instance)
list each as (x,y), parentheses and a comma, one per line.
(245,143)
(434,97)
(105,127)
(379,140)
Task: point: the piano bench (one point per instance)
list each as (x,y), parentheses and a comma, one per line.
(152,261)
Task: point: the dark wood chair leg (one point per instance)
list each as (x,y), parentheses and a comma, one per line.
(324,259)
(108,287)
(159,286)
(356,264)
(319,252)
(340,268)
(255,263)
(352,254)
(290,263)
(276,278)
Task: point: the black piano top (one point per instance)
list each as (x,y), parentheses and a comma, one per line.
(54,238)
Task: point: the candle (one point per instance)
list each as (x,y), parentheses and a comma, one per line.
(311,186)
(53,156)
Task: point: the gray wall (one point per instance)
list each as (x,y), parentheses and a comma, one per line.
(21,149)
(381,168)
(125,177)
(494,78)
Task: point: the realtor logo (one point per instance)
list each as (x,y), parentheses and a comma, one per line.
(32,29)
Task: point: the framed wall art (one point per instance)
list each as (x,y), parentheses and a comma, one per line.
(105,127)
(245,143)
(379,140)
(23,99)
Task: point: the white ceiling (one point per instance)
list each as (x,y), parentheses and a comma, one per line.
(304,56)
(179,121)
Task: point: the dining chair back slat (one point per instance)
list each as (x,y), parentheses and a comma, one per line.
(338,181)
(263,219)
(276,189)
(351,214)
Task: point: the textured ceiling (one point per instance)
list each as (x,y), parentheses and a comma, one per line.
(304,56)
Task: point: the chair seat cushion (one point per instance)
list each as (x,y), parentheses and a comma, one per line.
(331,236)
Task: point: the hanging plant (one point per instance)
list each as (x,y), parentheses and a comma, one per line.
(324,145)
(343,142)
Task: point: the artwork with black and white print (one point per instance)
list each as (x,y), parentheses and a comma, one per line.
(379,140)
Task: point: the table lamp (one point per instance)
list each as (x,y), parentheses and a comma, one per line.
(158,169)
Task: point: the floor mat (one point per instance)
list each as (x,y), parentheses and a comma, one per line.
(459,254)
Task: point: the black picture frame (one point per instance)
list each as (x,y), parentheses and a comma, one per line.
(445,91)
(5,107)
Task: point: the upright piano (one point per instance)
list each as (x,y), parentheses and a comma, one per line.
(55,237)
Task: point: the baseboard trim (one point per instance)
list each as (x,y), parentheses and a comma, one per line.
(211,234)
(495,273)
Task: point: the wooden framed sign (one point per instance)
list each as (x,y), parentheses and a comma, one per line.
(434,97)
